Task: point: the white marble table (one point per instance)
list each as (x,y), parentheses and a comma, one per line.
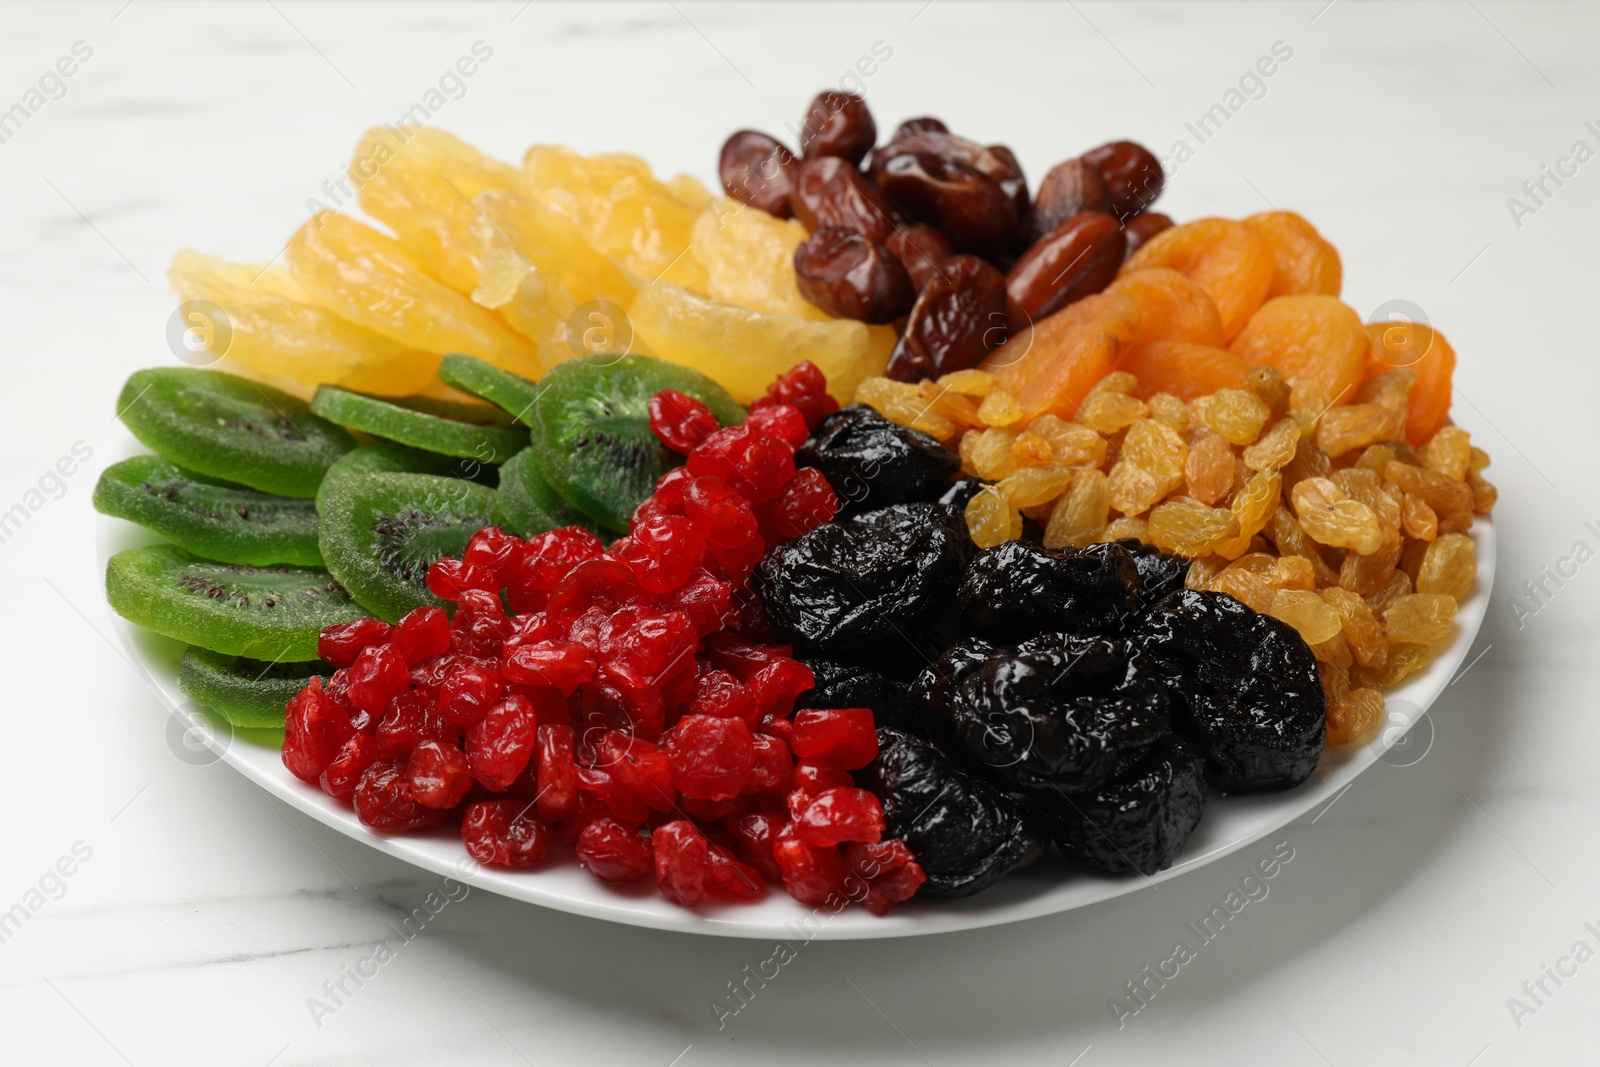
(199,919)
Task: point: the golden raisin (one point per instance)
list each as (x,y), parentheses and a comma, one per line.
(1420,618)
(1328,516)
(1365,575)
(1109,412)
(1253,507)
(1446,496)
(1208,470)
(1276,447)
(1081,513)
(1355,716)
(1031,450)
(968,382)
(1291,540)
(1403,661)
(1362,631)
(1305,611)
(1033,486)
(1354,426)
(1244,587)
(1128,526)
(1190,528)
(999,408)
(1234,413)
(1449,566)
(1151,467)
(990,453)
(1292,572)
(1397,585)
(1071,444)
(1168,409)
(992,519)
(1448,452)
(1417,519)
(1363,485)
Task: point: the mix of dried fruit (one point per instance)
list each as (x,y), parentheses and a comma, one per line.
(574,547)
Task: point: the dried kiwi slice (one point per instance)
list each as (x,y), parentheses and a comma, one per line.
(527,505)
(231,427)
(247,692)
(385,457)
(470,431)
(591,430)
(512,393)
(207,516)
(269,613)
(380,532)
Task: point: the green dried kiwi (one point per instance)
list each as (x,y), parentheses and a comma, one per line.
(380,533)
(526,505)
(232,428)
(591,430)
(391,458)
(267,613)
(208,516)
(247,692)
(512,393)
(468,431)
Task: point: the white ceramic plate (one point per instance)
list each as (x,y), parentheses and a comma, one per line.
(1047,887)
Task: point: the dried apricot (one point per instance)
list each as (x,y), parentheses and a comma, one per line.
(1227,258)
(1425,351)
(1303,260)
(1187,371)
(1052,365)
(1316,337)
(1174,307)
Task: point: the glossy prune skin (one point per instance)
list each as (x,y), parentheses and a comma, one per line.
(962,491)
(850,277)
(1245,689)
(829,191)
(851,685)
(1069,188)
(872,462)
(865,580)
(966,834)
(992,161)
(959,318)
(1132,174)
(1078,258)
(1019,588)
(1139,823)
(968,206)
(1058,712)
(921,249)
(838,124)
(1160,573)
(757,170)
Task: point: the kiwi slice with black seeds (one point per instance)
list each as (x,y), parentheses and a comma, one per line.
(512,393)
(469,431)
(391,458)
(267,613)
(380,532)
(208,516)
(232,428)
(526,503)
(591,430)
(249,693)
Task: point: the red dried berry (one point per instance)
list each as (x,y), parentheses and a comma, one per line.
(727,876)
(891,873)
(813,876)
(504,833)
(755,466)
(495,551)
(741,656)
(342,776)
(411,719)
(681,856)
(704,598)
(448,578)
(664,551)
(722,516)
(500,744)
(479,626)
(810,779)
(711,758)
(639,767)
(438,774)
(808,501)
(423,633)
(618,801)
(782,421)
(680,422)
(378,675)
(844,737)
(755,834)
(341,644)
(805,387)
(613,852)
(314,730)
(556,772)
(773,769)
(604,582)
(548,559)
(384,802)
(836,816)
(777,685)
(470,688)
(562,664)
(720,695)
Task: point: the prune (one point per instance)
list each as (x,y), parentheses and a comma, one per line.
(1160,573)
(1078,258)
(850,277)
(1058,712)
(872,462)
(921,249)
(1132,174)
(970,207)
(757,170)
(1018,588)
(962,491)
(966,834)
(959,317)
(1245,689)
(850,685)
(1070,188)
(994,161)
(1139,823)
(829,191)
(838,124)
(1141,228)
(866,579)
(933,690)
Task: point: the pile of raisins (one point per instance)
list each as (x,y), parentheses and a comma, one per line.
(937,233)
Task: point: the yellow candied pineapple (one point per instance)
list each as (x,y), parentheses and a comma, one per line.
(368,278)
(278,333)
(748,256)
(623,211)
(422,186)
(744,350)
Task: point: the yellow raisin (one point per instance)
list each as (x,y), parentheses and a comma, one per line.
(1270,387)
(1116,382)
(877,392)
(968,382)
(1151,467)
(1170,410)
(953,406)
(1033,486)
(1110,413)
(1291,540)
(1376,457)
(1484,494)
(915,411)
(1444,495)
(1031,450)
(1361,484)
(1417,519)
(1354,426)
(1354,717)
(1190,528)
(1128,526)
(1365,575)
(1449,452)
(1244,587)
(1201,571)
(999,408)
(1402,662)
(1449,566)
(1253,507)
(1081,513)
(1305,611)
(1420,618)
(1291,572)
(1391,391)
(1335,682)
(991,453)
(1334,650)
(1071,444)
(1208,470)
(1235,414)
(1308,399)
(1362,631)
(992,519)
(1328,516)
(1397,585)
(1276,447)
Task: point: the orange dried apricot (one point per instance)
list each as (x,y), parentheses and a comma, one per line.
(1187,371)
(1303,260)
(1430,357)
(1052,365)
(1315,337)
(1227,258)
(1174,306)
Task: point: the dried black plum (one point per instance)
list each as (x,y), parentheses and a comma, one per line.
(1138,823)
(871,578)
(961,491)
(1160,573)
(1019,588)
(851,685)
(872,462)
(1244,686)
(933,690)
(1059,712)
(966,834)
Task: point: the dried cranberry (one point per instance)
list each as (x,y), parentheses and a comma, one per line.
(892,874)
(681,858)
(562,664)
(831,192)
(921,249)
(850,277)
(664,551)
(315,729)
(493,550)
(500,744)
(777,685)
(838,124)
(479,626)
(504,833)
(556,772)
(711,757)
(680,422)
(840,815)
(619,801)
(813,876)
(1070,188)
(341,644)
(783,421)
(720,513)
(757,170)
(844,737)
(1077,258)
(384,802)
(704,598)
(1142,227)
(549,558)
(755,466)
(808,501)
(1132,173)
(613,852)
(438,774)
(728,876)
(811,778)
(469,689)
(970,207)
(378,675)
(773,769)
(448,578)
(722,696)
(342,776)
(423,633)
(957,320)
(641,768)
(740,656)
(603,582)
(411,719)
(803,386)
(755,834)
